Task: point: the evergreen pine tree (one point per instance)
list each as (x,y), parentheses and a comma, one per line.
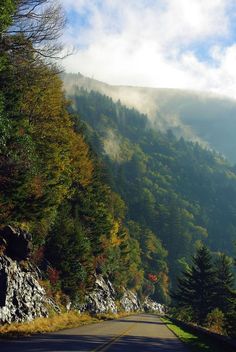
(195,289)
(224,283)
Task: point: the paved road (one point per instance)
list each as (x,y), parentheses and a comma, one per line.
(137,333)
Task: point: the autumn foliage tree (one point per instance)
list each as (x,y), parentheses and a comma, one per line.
(51,182)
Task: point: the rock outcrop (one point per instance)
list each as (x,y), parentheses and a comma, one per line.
(21,296)
(130,302)
(101,299)
(151,306)
(23,299)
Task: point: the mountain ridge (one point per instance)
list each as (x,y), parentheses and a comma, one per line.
(206,118)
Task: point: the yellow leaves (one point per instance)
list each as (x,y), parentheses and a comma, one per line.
(151,244)
(63,156)
(115,240)
(81,163)
(44,97)
(24,226)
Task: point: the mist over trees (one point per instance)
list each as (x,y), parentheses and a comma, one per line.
(100,191)
(176,191)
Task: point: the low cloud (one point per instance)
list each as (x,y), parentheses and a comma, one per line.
(160,43)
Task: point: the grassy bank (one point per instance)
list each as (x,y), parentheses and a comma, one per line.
(196,342)
(56,322)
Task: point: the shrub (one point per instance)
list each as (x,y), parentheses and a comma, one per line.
(183,314)
(215,321)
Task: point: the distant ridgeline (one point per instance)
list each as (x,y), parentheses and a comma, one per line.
(177,193)
(100,189)
(199,116)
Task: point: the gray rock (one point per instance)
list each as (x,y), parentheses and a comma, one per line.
(101,299)
(130,302)
(151,306)
(21,296)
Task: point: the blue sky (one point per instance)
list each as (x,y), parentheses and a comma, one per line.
(188,44)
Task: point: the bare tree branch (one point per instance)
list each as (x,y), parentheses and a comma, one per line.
(39,22)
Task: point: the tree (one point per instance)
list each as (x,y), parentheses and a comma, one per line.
(231,316)
(69,251)
(41,155)
(36,26)
(6,11)
(224,283)
(195,289)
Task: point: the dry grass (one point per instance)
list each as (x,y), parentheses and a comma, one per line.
(56,322)
(42,325)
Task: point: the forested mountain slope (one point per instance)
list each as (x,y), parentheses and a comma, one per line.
(51,182)
(197,116)
(176,189)
(100,189)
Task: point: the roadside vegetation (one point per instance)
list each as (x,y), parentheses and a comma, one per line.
(55,322)
(205,293)
(196,342)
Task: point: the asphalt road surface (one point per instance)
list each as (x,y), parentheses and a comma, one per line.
(137,333)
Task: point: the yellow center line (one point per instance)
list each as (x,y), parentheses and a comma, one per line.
(106,345)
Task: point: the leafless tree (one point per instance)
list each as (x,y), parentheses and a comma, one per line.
(37,25)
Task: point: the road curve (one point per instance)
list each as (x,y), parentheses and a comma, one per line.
(137,333)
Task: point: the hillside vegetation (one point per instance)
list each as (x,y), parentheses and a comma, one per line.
(100,190)
(180,191)
(51,182)
(196,116)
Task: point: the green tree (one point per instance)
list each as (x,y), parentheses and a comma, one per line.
(7,8)
(224,283)
(231,316)
(69,251)
(195,289)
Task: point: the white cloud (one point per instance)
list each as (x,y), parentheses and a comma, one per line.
(153,43)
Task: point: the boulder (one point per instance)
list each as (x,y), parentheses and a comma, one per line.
(17,243)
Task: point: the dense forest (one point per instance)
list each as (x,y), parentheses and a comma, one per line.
(180,191)
(99,190)
(180,197)
(51,182)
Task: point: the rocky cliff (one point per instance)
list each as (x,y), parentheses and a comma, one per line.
(103,299)
(22,298)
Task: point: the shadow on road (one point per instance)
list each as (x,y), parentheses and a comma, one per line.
(139,321)
(72,343)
